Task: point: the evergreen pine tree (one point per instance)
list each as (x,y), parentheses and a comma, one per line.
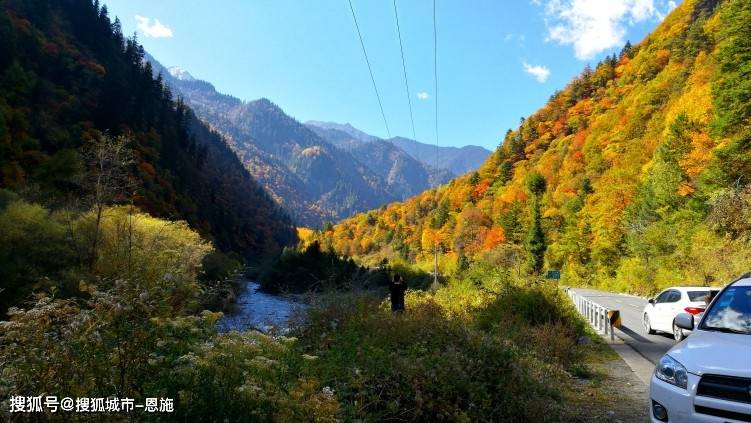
(535,241)
(536,245)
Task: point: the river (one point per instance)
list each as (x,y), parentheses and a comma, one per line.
(258,310)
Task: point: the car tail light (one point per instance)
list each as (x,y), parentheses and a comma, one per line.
(694,310)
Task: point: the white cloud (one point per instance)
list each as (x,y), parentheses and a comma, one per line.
(518,37)
(668,8)
(422,95)
(514,39)
(155,30)
(593,26)
(541,73)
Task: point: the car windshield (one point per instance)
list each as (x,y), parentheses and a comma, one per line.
(731,312)
(696,296)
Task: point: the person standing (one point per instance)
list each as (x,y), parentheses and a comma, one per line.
(397,288)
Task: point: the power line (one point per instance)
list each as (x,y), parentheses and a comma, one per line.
(372,78)
(404,68)
(435,77)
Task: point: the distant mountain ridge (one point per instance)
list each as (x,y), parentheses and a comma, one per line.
(404,175)
(343,127)
(458,160)
(317,177)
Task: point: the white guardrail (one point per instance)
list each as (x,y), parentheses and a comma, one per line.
(596,315)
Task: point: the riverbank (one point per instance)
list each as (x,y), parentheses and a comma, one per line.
(255,309)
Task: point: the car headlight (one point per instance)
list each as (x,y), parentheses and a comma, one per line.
(672,372)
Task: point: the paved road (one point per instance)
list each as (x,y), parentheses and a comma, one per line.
(651,347)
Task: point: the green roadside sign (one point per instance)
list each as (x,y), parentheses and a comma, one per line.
(553,274)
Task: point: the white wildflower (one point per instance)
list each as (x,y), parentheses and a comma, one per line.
(287,340)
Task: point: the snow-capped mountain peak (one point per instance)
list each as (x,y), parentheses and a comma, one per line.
(180,73)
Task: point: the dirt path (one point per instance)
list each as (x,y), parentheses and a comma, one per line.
(614,393)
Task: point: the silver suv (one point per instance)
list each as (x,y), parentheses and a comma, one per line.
(707,377)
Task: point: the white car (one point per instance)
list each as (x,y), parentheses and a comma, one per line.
(707,377)
(659,313)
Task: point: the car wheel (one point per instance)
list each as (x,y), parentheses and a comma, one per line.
(648,325)
(678,333)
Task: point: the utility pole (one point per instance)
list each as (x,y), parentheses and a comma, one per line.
(435,265)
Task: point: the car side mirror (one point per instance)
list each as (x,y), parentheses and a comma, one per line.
(651,300)
(684,321)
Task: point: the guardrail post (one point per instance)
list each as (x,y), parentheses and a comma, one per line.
(586,309)
(596,315)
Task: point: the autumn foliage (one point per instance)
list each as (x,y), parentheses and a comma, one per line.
(636,154)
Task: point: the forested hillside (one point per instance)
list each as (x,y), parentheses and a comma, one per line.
(634,176)
(68,79)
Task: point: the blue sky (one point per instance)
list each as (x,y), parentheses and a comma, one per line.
(497,60)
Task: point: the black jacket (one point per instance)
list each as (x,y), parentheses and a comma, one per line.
(397,294)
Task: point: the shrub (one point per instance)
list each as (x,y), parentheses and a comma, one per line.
(134,329)
(34,248)
(247,376)
(311,268)
(439,361)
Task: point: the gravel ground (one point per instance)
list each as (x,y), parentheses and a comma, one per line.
(613,394)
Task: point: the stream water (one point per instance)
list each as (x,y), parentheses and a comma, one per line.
(258,310)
